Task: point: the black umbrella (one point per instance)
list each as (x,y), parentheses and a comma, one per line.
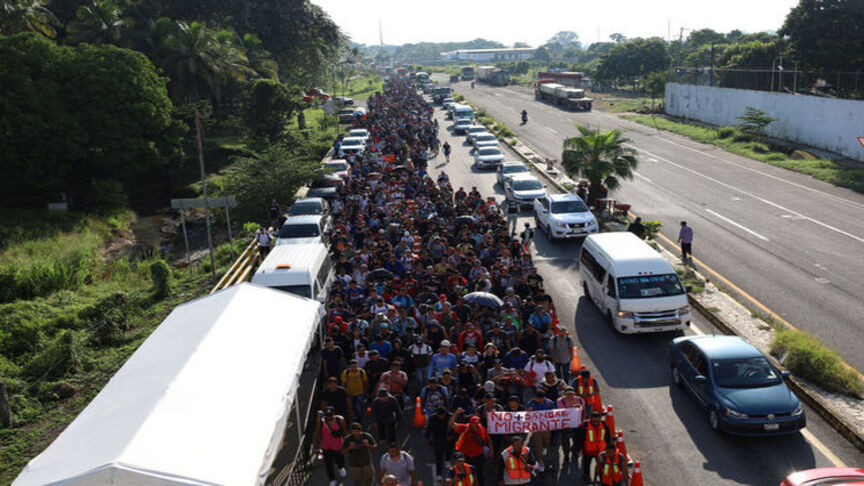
(426,298)
(465,219)
(484,299)
(380,274)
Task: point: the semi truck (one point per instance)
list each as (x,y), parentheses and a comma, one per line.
(564,96)
(467,73)
(570,79)
(493,76)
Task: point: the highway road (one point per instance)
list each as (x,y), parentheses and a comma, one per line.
(793,243)
(664,427)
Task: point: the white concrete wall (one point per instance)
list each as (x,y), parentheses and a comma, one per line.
(826,123)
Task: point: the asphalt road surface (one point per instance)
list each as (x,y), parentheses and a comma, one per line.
(793,243)
(664,427)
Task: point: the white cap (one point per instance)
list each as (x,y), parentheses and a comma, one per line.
(445,343)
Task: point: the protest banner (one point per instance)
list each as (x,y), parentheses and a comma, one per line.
(521,422)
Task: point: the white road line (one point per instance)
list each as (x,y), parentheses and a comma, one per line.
(642,177)
(809,437)
(758,198)
(724,218)
(800,186)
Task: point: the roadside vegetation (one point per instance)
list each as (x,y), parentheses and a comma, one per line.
(734,140)
(809,359)
(689,278)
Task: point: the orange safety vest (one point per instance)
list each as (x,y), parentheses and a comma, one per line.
(589,392)
(469,479)
(595,439)
(610,472)
(516,467)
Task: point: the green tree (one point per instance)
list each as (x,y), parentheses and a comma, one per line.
(267,107)
(827,34)
(274,173)
(754,121)
(701,37)
(632,59)
(600,157)
(542,54)
(565,38)
(18,16)
(617,38)
(97,22)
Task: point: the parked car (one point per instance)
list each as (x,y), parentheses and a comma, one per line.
(351,145)
(461,126)
(564,216)
(343,100)
(484,138)
(303,229)
(309,206)
(339,167)
(359,132)
(326,187)
(474,130)
(523,188)
(454,78)
(826,476)
(346,115)
(445,105)
(488,157)
(742,391)
(509,169)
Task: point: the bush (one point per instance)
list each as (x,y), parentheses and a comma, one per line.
(725,132)
(807,358)
(652,228)
(108,318)
(741,137)
(160,273)
(690,279)
(63,355)
(761,148)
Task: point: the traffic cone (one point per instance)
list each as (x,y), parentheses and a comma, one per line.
(610,418)
(636,480)
(575,363)
(419,418)
(621,445)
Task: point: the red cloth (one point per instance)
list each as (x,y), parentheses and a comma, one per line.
(468,443)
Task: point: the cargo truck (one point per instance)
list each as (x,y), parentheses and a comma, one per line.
(493,76)
(467,73)
(568,98)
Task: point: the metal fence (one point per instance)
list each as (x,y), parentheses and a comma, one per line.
(839,84)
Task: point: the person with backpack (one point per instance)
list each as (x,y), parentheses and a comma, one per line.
(446,148)
(329,436)
(356,384)
(611,469)
(473,442)
(518,463)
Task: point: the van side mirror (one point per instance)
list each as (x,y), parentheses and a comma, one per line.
(688,288)
(786,373)
(700,379)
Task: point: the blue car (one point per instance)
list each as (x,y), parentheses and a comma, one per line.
(742,391)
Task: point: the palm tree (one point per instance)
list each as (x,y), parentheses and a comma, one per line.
(98,22)
(26,16)
(602,158)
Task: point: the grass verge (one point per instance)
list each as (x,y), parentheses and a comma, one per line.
(690,279)
(732,140)
(629,105)
(808,358)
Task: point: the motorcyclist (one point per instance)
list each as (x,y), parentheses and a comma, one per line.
(472,84)
(524,116)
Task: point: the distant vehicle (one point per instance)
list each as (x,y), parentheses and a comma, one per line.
(309,206)
(446,102)
(632,285)
(339,167)
(422,77)
(346,115)
(315,93)
(493,76)
(303,229)
(359,133)
(484,139)
(570,79)
(454,78)
(509,169)
(564,216)
(301,269)
(325,187)
(343,100)
(523,188)
(441,92)
(461,125)
(826,476)
(474,130)
(569,98)
(428,87)
(488,157)
(351,145)
(460,111)
(742,391)
(467,73)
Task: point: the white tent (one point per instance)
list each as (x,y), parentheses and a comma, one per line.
(204,400)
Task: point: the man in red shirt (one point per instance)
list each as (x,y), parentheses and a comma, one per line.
(473,441)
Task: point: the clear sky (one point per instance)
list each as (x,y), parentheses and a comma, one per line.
(534,21)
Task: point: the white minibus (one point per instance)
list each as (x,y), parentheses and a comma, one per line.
(304,269)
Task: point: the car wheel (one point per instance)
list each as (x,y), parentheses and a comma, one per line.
(676,376)
(714,420)
(609,320)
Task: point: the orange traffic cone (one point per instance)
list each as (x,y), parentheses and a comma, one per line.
(575,363)
(621,445)
(610,418)
(419,418)
(636,480)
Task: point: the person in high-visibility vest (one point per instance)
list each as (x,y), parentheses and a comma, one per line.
(462,473)
(611,468)
(517,462)
(587,388)
(595,437)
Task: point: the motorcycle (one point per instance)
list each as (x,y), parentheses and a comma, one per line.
(524,117)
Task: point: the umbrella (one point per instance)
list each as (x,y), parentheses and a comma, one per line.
(465,219)
(426,298)
(380,274)
(484,299)
(373,175)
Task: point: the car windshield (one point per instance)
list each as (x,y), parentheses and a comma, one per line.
(569,207)
(351,142)
(337,166)
(485,137)
(346,111)
(301,290)
(306,208)
(753,372)
(358,133)
(648,286)
(489,151)
(527,185)
(476,129)
(512,169)
(299,231)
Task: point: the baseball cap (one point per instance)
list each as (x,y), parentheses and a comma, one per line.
(329,411)
(445,343)
(474,419)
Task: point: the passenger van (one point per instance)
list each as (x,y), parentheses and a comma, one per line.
(632,284)
(303,269)
(463,112)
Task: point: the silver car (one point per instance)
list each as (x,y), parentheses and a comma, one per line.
(524,189)
(507,170)
(486,157)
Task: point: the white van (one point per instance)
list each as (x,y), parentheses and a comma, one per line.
(303,269)
(632,284)
(463,112)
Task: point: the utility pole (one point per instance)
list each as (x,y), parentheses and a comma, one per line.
(199,136)
(711,72)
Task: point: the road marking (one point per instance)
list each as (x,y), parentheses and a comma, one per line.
(724,218)
(809,437)
(822,280)
(758,198)
(801,186)
(643,177)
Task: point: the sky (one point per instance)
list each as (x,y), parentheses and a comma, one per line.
(534,22)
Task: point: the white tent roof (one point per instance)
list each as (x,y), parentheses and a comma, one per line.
(204,400)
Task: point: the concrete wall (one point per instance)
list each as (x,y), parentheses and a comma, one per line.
(826,123)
